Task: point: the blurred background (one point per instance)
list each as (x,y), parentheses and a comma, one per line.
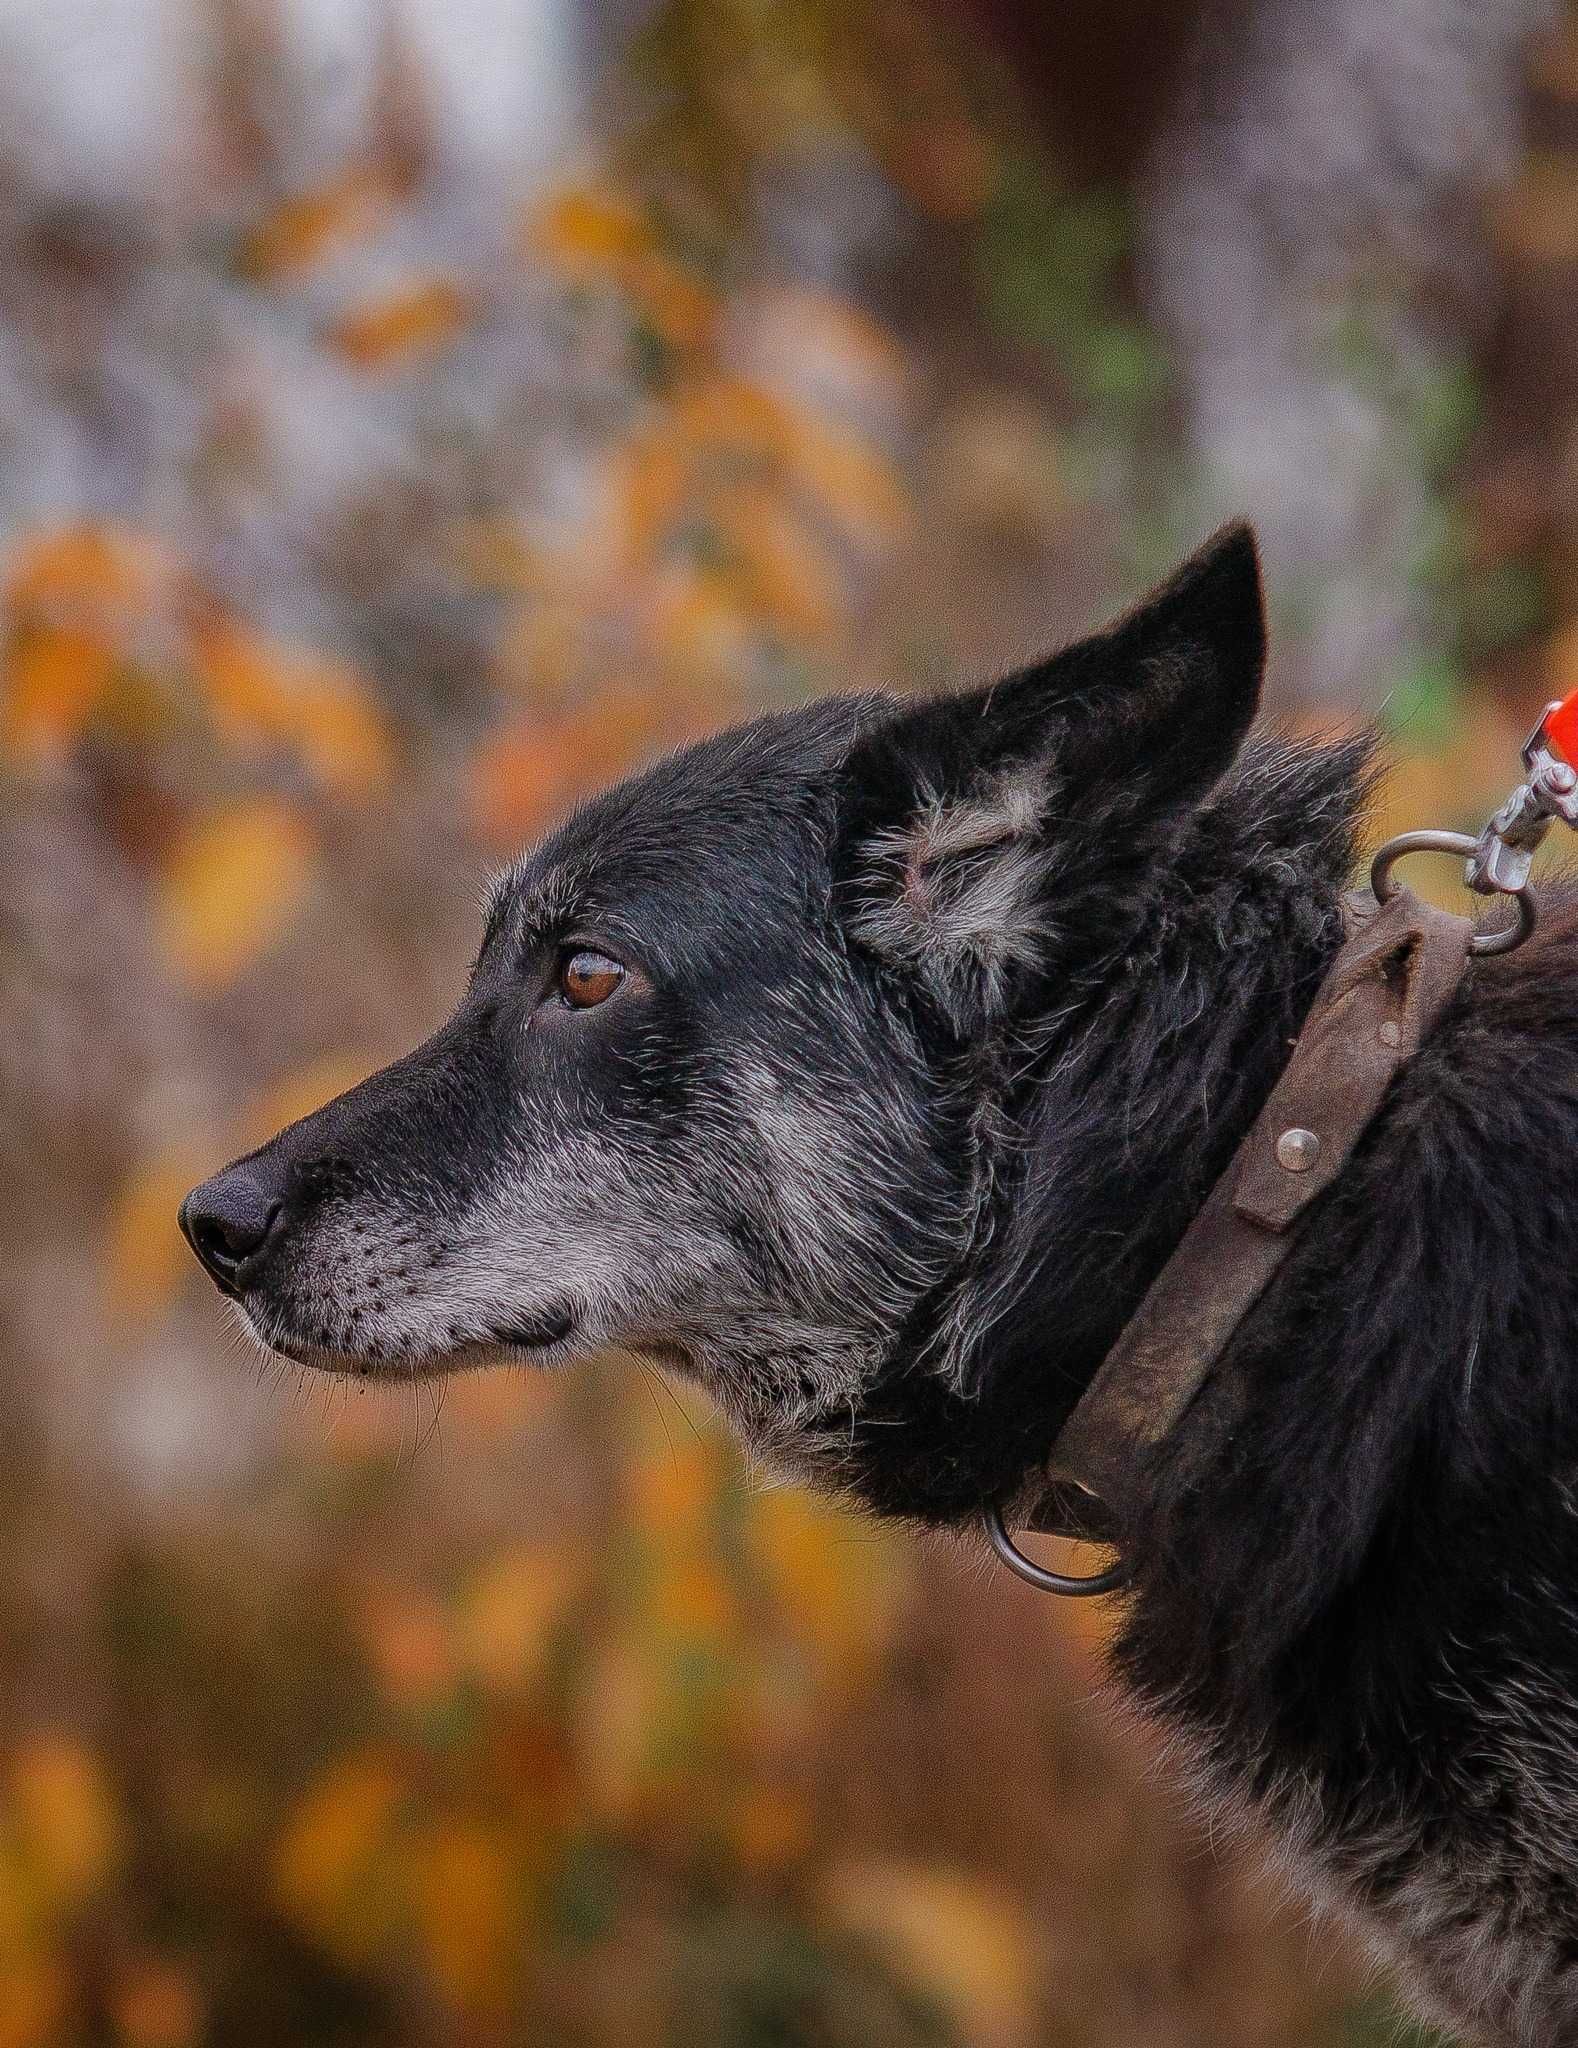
(410,416)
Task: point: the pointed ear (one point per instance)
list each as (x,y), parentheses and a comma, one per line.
(961,813)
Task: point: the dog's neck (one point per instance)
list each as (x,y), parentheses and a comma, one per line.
(1141,1090)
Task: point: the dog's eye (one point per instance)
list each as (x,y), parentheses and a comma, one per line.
(587,978)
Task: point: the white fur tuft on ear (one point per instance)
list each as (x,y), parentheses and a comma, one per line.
(954,894)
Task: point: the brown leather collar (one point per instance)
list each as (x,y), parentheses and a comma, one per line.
(1399,967)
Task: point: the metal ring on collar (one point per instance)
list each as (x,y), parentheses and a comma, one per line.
(1037,1575)
(1385,888)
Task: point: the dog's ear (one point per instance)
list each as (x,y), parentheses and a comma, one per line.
(964,814)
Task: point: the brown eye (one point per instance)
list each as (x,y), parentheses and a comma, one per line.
(587,978)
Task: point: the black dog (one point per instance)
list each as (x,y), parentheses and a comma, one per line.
(867,1062)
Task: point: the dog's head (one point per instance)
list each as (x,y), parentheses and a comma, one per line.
(727,1086)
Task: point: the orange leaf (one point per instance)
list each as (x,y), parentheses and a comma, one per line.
(651,477)
(469,1909)
(87,565)
(699,622)
(156,2005)
(65,1816)
(32,2004)
(408,1638)
(531,771)
(318,707)
(520,779)
(672,1488)
(620,1702)
(338,1827)
(508,1613)
(57,676)
(588,228)
(146,1259)
(232,888)
(305,227)
(789,577)
(691,1599)
(415,320)
(342,738)
(771,1827)
(734,414)
(848,481)
(834,1579)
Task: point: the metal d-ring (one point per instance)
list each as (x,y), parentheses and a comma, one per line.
(1384,888)
(1037,1575)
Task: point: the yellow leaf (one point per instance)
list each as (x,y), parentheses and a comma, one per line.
(508,1611)
(66,1817)
(588,228)
(835,1579)
(232,888)
(470,1910)
(339,1826)
(56,677)
(146,1258)
(308,225)
(958,1938)
(154,2004)
(417,319)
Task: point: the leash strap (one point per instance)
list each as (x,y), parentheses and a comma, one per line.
(1399,967)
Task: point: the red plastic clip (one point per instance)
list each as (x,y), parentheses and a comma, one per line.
(1561,729)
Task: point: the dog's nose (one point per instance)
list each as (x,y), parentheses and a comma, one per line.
(228,1222)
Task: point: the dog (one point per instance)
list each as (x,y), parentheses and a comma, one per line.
(867,1061)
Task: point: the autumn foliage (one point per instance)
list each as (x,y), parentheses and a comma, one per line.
(522,1712)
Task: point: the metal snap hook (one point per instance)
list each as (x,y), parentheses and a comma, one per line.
(1384,887)
(1037,1575)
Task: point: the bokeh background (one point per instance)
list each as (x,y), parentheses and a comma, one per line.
(410,416)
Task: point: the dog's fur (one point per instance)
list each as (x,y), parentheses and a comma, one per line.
(938,1024)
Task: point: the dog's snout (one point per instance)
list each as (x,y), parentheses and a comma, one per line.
(230,1220)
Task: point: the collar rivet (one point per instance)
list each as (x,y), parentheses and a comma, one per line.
(1298,1150)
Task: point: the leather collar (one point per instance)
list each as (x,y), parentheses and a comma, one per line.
(1397,970)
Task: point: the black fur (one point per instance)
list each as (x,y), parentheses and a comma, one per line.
(940,1022)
